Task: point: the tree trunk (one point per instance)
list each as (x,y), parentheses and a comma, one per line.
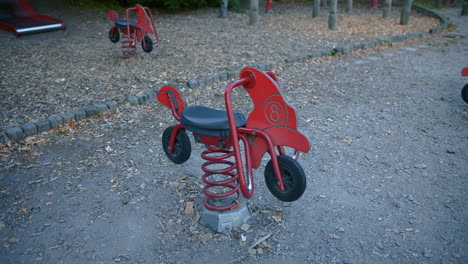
(253,12)
(349,6)
(406,12)
(316,8)
(332,14)
(387,8)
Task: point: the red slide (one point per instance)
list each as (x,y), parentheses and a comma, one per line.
(19,18)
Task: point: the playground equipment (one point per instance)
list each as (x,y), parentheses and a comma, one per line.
(465,89)
(269,5)
(19,18)
(133,32)
(270,127)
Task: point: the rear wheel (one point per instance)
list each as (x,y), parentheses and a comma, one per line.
(182,147)
(465,93)
(147,44)
(114,34)
(293,177)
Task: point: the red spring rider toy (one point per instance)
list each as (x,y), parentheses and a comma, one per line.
(133,32)
(270,127)
(464,92)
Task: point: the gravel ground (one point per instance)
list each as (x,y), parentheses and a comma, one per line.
(59,72)
(386,174)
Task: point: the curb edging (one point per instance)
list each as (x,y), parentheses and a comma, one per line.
(53,121)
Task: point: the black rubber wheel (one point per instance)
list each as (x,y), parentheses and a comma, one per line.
(293,176)
(147,45)
(465,93)
(182,147)
(114,35)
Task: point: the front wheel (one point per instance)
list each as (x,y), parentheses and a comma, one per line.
(293,177)
(464,93)
(147,44)
(182,147)
(114,34)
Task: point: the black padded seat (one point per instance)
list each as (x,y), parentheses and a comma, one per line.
(208,121)
(122,24)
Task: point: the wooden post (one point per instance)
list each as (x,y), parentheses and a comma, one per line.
(223,7)
(349,6)
(406,12)
(253,12)
(332,14)
(387,8)
(465,8)
(316,8)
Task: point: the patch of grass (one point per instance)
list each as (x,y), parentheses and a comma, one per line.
(451,26)
(333,53)
(234,5)
(387,43)
(433,4)
(101,5)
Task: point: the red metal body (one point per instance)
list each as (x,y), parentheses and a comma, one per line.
(22,19)
(374,3)
(464,72)
(270,126)
(134,32)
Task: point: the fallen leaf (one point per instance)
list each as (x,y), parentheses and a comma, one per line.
(245,227)
(347,141)
(189,209)
(55,247)
(276,218)
(260,241)
(333,236)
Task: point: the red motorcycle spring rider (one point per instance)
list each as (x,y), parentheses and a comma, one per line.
(464,92)
(235,146)
(133,31)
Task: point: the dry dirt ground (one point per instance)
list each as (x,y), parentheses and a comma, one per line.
(387,173)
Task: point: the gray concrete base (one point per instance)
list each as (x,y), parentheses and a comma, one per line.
(225,221)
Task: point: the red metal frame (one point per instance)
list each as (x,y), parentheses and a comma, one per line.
(24,19)
(269,5)
(270,127)
(464,72)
